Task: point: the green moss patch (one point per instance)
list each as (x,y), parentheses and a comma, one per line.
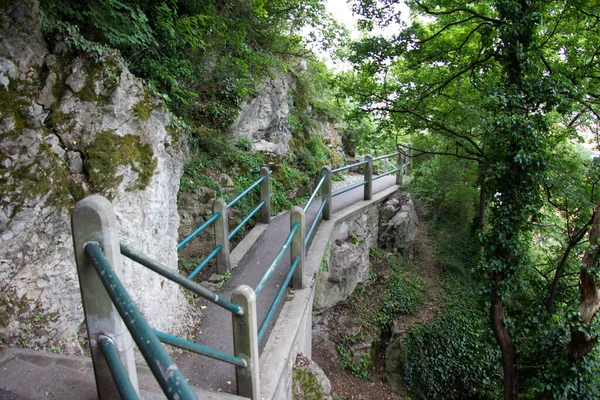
(108,152)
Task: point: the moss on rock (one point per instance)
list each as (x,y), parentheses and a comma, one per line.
(108,152)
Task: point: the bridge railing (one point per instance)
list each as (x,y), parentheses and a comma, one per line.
(221,224)
(109,310)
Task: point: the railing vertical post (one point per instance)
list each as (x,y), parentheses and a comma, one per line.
(245,342)
(368,177)
(265,194)
(222,237)
(410,160)
(400,167)
(326,193)
(93,220)
(298,247)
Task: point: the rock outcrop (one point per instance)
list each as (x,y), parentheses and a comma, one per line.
(68,128)
(399,224)
(264,119)
(393,226)
(347,263)
(309,381)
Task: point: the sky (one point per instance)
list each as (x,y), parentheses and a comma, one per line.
(342,12)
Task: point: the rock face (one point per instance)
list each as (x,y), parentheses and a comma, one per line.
(393,226)
(309,381)
(399,224)
(69,128)
(348,260)
(264,119)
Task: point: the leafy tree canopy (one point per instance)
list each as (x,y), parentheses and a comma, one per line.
(507,85)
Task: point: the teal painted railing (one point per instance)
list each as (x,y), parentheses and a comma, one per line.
(221,230)
(173,384)
(105,298)
(97,249)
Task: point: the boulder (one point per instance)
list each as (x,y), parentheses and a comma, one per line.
(309,381)
(348,266)
(398,224)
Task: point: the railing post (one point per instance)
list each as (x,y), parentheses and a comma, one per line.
(222,237)
(93,220)
(297,247)
(368,177)
(326,193)
(410,164)
(265,194)
(400,167)
(245,342)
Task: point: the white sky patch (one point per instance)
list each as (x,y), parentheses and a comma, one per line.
(342,12)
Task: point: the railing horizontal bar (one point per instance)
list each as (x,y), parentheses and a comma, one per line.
(199,349)
(315,222)
(206,261)
(245,192)
(160,269)
(314,193)
(280,293)
(386,174)
(117,370)
(391,164)
(198,231)
(349,166)
(237,228)
(386,156)
(277,260)
(173,383)
(346,189)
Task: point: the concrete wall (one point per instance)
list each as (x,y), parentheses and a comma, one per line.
(292,333)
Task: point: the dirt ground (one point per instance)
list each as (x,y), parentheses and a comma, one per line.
(346,386)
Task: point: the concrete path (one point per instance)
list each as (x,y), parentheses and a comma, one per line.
(215,329)
(31,375)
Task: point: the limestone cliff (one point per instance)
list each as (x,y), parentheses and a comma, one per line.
(70,127)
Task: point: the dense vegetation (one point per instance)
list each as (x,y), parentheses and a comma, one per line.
(504,89)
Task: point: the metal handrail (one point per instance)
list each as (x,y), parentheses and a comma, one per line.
(160,269)
(198,231)
(386,174)
(348,167)
(280,292)
(315,222)
(386,156)
(245,220)
(173,383)
(199,349)
(344,190)
(245,192)
(203,264)
(117,369)
(314,193)
(277,260)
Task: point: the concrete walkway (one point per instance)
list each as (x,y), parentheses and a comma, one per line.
(215,329)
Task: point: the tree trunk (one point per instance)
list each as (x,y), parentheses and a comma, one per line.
(509,357)
(589,289)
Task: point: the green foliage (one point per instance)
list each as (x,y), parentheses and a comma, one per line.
(499,85)
(453,357)
(399,293)
(357,366)
(203,57)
